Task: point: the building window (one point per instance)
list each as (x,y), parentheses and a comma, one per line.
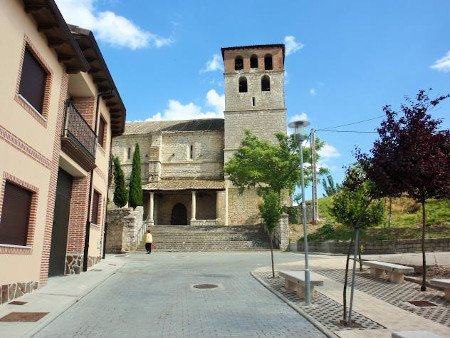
(253,61)
(32,81)
(191,152)
(242,84)
(96,208)
(265,83)
(268,62)
(15,217)
(129,153)
(253,101)
(101,137)
(238,63)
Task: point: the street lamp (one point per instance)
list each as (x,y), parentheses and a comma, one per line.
(298,126)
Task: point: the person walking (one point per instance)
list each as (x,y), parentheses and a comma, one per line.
(148,242)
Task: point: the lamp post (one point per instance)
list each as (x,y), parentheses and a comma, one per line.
(298,126)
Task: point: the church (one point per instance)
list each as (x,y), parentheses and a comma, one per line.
(182,161)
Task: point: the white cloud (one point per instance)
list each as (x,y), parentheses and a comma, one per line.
(328,151)
(443,64)
(292,46)
(179,111)
(312,92)
(214,64)
(107,26)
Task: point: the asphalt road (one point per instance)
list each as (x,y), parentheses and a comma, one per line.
(154,296)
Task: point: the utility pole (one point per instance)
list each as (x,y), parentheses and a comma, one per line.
(315,205)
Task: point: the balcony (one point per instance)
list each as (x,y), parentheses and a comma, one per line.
(78,140)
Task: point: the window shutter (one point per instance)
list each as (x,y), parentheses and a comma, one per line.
(95,207)
(15,215)
(32,81)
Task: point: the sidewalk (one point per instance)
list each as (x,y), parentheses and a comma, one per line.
(56,297)
(380,307)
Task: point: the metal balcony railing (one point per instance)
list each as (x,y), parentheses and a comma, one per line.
(79,140)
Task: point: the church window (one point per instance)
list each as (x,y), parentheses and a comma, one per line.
(265,83)
(238,63)
(253,61)
(268,62)
(242,84)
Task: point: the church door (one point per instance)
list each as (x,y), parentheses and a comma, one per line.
(179,215)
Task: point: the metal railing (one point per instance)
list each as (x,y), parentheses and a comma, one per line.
(77,129)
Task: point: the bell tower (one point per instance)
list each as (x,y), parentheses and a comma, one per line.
(254,100)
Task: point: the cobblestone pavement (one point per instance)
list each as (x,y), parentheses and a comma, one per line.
(153,296)
(399,294)
(323,309)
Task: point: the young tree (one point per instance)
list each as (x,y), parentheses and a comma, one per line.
(354,206)
(412,156)
(135,189)
(271,211)
(120,191)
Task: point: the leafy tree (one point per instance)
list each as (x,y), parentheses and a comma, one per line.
(355,207)
(329,186)
(271,211)
(412,156)
(120,191)
(135,189)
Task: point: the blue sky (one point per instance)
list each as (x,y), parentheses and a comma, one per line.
(347,59)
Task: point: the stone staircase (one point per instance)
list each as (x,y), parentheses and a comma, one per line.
(179,238)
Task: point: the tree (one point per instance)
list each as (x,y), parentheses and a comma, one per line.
(135,189)
(412,156)
(329,186)
(120,191)
(354,206)
(271,211)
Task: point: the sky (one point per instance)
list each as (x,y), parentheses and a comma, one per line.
(345,60)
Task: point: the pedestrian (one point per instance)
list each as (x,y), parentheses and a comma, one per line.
(148,242)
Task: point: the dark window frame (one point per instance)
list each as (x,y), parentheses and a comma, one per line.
(265,83)
(254,61)
(34,77)
(102,132)
(96,210)
(13,218)
(268,62)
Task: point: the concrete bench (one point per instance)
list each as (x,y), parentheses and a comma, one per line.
(295,281)
(394,272)
(414,334)
(443,284)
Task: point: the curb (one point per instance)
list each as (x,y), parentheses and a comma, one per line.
(308,317)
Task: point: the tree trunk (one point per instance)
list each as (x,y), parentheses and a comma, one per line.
(424,263)
(390,212)
(359,255)
(344,292)
(271,254)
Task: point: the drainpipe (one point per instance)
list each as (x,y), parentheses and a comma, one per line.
(107,198)
(88,220)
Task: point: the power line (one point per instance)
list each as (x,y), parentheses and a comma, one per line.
(348,131)
(350,124)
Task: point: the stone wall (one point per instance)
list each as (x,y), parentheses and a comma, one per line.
(125,229)
(14,290)
(377,247)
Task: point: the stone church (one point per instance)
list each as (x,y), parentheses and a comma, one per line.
(182,161)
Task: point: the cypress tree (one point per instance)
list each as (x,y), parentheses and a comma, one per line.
(120,191)
(135,190)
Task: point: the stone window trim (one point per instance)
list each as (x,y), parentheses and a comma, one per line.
(42,117)
(28,248)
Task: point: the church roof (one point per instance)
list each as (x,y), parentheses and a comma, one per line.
(193,184)
(132,128)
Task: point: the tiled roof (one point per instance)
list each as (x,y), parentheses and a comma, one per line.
(132,128)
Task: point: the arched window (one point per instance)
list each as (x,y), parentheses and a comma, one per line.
(242,84)
(268,62)
(253,61)
(265,83)
(238,63)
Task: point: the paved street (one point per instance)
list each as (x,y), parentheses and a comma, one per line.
(153,295)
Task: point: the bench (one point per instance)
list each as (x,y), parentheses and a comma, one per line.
(394,272)
(443,284)
(295,281)
(414,334)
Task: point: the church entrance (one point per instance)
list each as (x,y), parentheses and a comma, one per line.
(179,215)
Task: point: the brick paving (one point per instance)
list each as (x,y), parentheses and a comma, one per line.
(399,294)
(153,296)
